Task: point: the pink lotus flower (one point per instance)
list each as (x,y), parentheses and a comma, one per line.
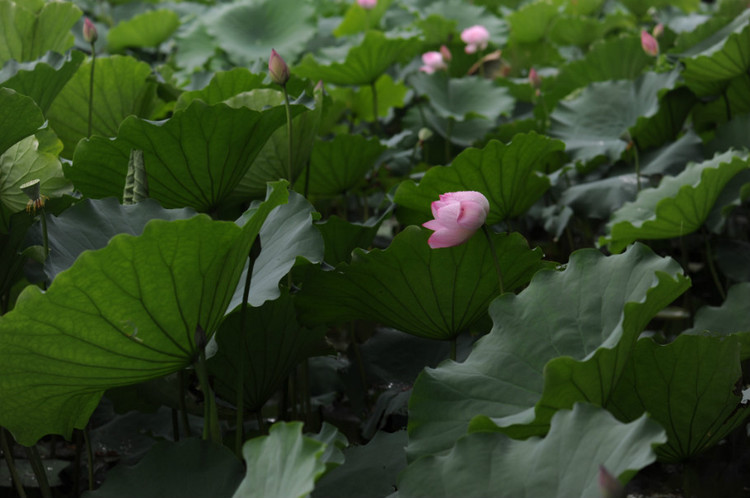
(367,4)
(534,79)
(433,61)
(89,31)
(278,69)
(476,38)
(649,44)
(457,216)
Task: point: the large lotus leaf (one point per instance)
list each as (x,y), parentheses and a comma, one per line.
(564,463)
(456,98)
(342,237)
(671,158)
(90,224)
(594,123)
(358,19)
(464,133)
(732,134)
(284,463)
(191,467)
(512,177)
(289,234)
(432,293)
(390,95)
(529,23)
(729,318)
(619,58)
(28,35)
(339,165)
(248,30)
(122,87)
(719,57)
(565,338)
(668,122)
(195,158)
(119,316)
(147,29)
(223,85)
(42,79)
(24,162)
(678,206)
(19,118)
(363,65)
(272,161)
(690,386)
(575,30)
(359,473)
(266,352)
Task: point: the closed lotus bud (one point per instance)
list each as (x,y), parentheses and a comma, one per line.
(278,69)
(649,44)
(367,4)
(447,56)
(89,31)
(658,30)
(534,79)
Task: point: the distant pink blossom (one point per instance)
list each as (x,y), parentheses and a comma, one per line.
(476,38)
(649,44)
(534,79)
(89,31)
(457,216)
(658,30)
(367,4)
(433,61)
(447,56)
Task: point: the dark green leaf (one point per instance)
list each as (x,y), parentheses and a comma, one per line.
(147,29)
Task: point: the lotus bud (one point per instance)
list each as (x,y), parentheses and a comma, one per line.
(457,216)
(447,56)
(367,4)
(658,30)
(278,69)
(649,44)
(89,31)
(424,134)
(534,79)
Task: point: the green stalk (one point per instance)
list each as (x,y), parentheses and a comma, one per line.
(183,405)
(210,413)
(289,135)
(637,167)
(712,268)
(89,456)
(45,238)
(91,89)
(41,476)
(375,118)
(11,464)
(494,258)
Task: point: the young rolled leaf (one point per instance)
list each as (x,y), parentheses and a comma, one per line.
(284,463)
(195,159)
(691,386)
(564,463)
(512,177)
(120,315)
(565,338)
(430,293)
(678,206)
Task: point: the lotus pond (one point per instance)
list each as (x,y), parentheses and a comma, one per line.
(374,248)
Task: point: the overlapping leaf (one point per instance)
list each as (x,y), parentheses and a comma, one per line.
(147,29)
(195,159)
(19,118)
(120,315)
(678,206)
(565,338)
(426,292)
(728,319)
(691,386)
(564,463)
(512,176)
(456,98)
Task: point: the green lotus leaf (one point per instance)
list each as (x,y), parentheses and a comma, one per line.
(267,351)
(247,31)
(196,158)
(364,63)
(389,93)
(594,123)
(669,121)
(619,58)
(342,237)
(529,23)
(339,165)
(42,79)
(358,19)
(27,35)
(147,29)
(122,88)
(466,15)
(195,47)
(728,319)
(565,338)
(90,224)
(24,162)
(678,206)
(284,463)
(575,30)
(19,118)
(465,133)
(689,386)
(109,320)
(456,98)
(512,177)
(432,293)
(731,135)
(223,85)
(191,467)
(564,463)
(719,57)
